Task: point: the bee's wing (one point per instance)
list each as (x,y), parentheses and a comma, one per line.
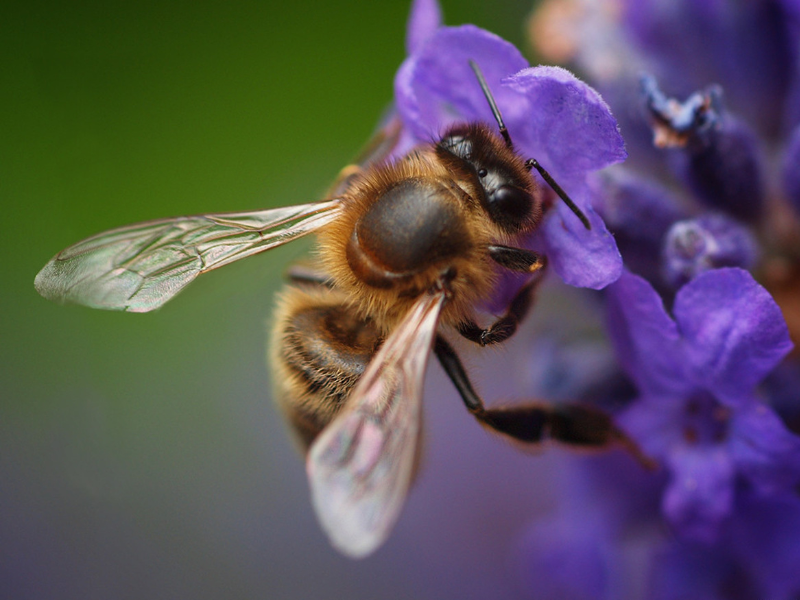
(139,267)
(361,465)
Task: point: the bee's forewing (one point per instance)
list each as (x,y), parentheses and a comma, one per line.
(139,267)
(361,465)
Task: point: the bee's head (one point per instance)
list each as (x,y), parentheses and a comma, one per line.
(502,178)
(509,196)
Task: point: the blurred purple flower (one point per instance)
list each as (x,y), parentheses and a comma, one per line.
(698,411)
(717,121)
(756,556)
(604,544)
(708,98)
(550,114)
(640,213)
(597,543)
(708,242)
(572,556)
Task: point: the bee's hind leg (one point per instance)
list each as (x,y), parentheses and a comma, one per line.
(304,274)
(572,424)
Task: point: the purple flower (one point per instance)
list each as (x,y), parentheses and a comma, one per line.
(640,213)
(698,410)
(756,556)
(717,121)
(571,556)
(550,114)
(711,188)
(605,543)
(718,157)
(711,241)
(597,542)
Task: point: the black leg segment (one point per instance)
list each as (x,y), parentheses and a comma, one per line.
(505,326)
(301,273)
(451,364)
(575,425)
(515,259)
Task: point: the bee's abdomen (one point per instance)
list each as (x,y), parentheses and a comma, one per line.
(323,350)
(412,226)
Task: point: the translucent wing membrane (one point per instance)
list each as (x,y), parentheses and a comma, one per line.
(139,267)
(361,465)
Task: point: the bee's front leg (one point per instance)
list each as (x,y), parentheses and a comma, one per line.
(504,327)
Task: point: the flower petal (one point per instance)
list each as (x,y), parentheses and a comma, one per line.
(791,170)
(707,242)
(424,20)
(414,106)
(725,169)
(765,534)
(683,571)
(581,257)
(436,85)
(653,422)
(646,340)
(568,128)
(700,493)
(639,213)
(734,331)
(764,450)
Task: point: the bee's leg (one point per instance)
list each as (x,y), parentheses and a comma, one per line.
(573,424)
(516,259)
(504,327)
(302,273)
(451,364)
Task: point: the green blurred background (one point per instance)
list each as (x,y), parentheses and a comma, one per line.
(140,455)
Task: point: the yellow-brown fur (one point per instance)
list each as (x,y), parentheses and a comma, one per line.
(474,270)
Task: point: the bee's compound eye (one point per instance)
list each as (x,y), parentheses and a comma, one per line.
(459,145)
(510,206)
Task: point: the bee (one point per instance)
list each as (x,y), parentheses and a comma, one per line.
(408,248)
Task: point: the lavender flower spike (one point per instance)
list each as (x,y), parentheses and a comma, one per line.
(697,410)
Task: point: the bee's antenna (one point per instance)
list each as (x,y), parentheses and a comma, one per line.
(492,104)
(531,162)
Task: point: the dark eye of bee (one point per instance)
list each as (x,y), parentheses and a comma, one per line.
(509,205)
(506,199)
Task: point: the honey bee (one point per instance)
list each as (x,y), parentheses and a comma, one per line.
(407,249)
